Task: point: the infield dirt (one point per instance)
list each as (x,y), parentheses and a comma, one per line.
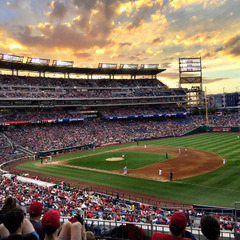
(187,164)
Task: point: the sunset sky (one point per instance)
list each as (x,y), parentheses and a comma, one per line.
(141,32)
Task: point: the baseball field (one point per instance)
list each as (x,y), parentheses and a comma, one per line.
(199,175)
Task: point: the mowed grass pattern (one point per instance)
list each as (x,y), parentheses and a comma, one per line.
(220,187)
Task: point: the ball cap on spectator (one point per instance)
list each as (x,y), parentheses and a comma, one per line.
(51,218)
(178,220)
(36,207)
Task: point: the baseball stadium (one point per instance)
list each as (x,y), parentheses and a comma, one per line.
(124,137)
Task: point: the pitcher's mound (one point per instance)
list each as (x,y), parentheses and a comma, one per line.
(114,159)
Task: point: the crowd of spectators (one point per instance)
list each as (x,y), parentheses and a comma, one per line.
(42,137)
(3,141)
(52,136)
(8,154)
(8,80)
(142,90)
(228,120)
(85,93)
(35,116)
(96,206)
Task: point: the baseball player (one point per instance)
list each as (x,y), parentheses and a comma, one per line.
(145,145)
(160,171)
(125,170)
(123,155)
(179,150)
(185,149)
(223,160)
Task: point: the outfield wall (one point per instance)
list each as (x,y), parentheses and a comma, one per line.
(205,129)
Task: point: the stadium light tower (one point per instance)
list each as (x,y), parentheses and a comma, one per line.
(190,72)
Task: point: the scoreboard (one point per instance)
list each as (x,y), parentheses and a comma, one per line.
(190,64)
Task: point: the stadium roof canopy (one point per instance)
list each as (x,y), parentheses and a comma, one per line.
(16,66)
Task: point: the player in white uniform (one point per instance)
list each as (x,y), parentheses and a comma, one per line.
(125,170)
(179,150)
(160,171)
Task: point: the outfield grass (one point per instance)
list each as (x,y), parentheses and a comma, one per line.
(220,187)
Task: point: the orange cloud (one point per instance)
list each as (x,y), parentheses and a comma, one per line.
(176,4)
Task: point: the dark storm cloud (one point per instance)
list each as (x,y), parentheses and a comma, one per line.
(137,21)
(139,17)
(158,40)
(232,46)
(99,23)
(137,59)
(81,34)
(82,55)
(125,44)
(60,36)
(59,10)
(138,56)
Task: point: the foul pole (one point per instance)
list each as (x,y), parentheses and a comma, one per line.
(206,107)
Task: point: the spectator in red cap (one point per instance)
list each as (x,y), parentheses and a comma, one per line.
(35,212)
(68,231)
(210,227)
(178,223)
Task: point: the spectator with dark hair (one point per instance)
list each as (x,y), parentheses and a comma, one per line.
(210,227)
(178,223)
(19,227)
(9,203)
(51,226)
(35,212)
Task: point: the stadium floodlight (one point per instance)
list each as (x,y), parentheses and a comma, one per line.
(149,66)
(38,61)
(107,65)
(190,72)
(129,66)
(190,64)
(11,58)
(57,63)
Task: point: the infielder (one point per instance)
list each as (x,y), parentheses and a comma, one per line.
(160,171)
(125,170)
(179,150)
